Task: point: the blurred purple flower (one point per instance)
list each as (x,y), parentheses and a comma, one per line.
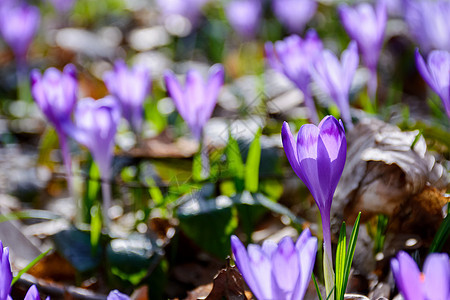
(244,16)
(116,295)
(131,87)
(33,294)
(62,6)
(5,273)
(189,9)
(55,93)
(335,78)
(437,74)
(195,101)
(432,284)
(274,271)
(294,14)
(366,25)
(318,158)
(294,57)
(428,22)
(18,25)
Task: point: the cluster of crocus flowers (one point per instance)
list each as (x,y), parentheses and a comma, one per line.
(244,16)
(432,284)
(428,23)
(436,72)
(294,14)
(55,93)
(277,271)
(318,158)
(195,101)
(366,25)
(130,87)
(19,22)
(335,77)
(294,58)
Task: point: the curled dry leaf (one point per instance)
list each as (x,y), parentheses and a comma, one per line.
(384,174)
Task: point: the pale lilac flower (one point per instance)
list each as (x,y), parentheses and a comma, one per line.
(436,73)
(294,57)
(335,77)
(244,16)
(95,127)
(131,87)
(55,94)
(18,25)
(116,295)
(366,25)
(195,101)
(5,273)
(432,284)
(294,14)
(274,271)
(62,6)
(318,158)
(428,22)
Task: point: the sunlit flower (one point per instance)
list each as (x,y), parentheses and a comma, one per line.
(428,23)
(366,25)
(244,16)
(131,87)
(55,93)
(294,14)
(436,73)
(318,158)
(116,295)
(195,101)
(18,25)
(5,273)
(274,271)
(294,57)
(432,284)
(335,77)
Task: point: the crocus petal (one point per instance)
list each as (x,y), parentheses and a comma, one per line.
(32,294)
(176,93)
(294,14)
(262,270)
(215,82)
(5,271)
(283,260)
(290,147)
(437,276)
(307,256)
(407,276)
(116,295)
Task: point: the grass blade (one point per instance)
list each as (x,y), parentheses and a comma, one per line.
(441,236)
(340,263)
(317,286)
(351,252)
(29,266)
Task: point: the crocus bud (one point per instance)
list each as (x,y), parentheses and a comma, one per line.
(33,294)
(294,14)
(18,25)
(274,271)
(436,72)
(244,16)
(335,77)
(428,23)
(294,57)
(195,101)
(433,283)
(366,25)
(116,295)
(55,93)
(131,87)
(5,271)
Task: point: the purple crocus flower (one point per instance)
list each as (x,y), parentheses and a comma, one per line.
(318,158)
(95,127)
(131,87)
(55,93)
(18,25)
(244,16)
(366,25)
(195,101)
(5,273)
(274,271)
(432,284)
(294,57)
(294,14)
(116,295)
(335,77)
(62,6)
(33,294)
(437,74)
(428,23)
